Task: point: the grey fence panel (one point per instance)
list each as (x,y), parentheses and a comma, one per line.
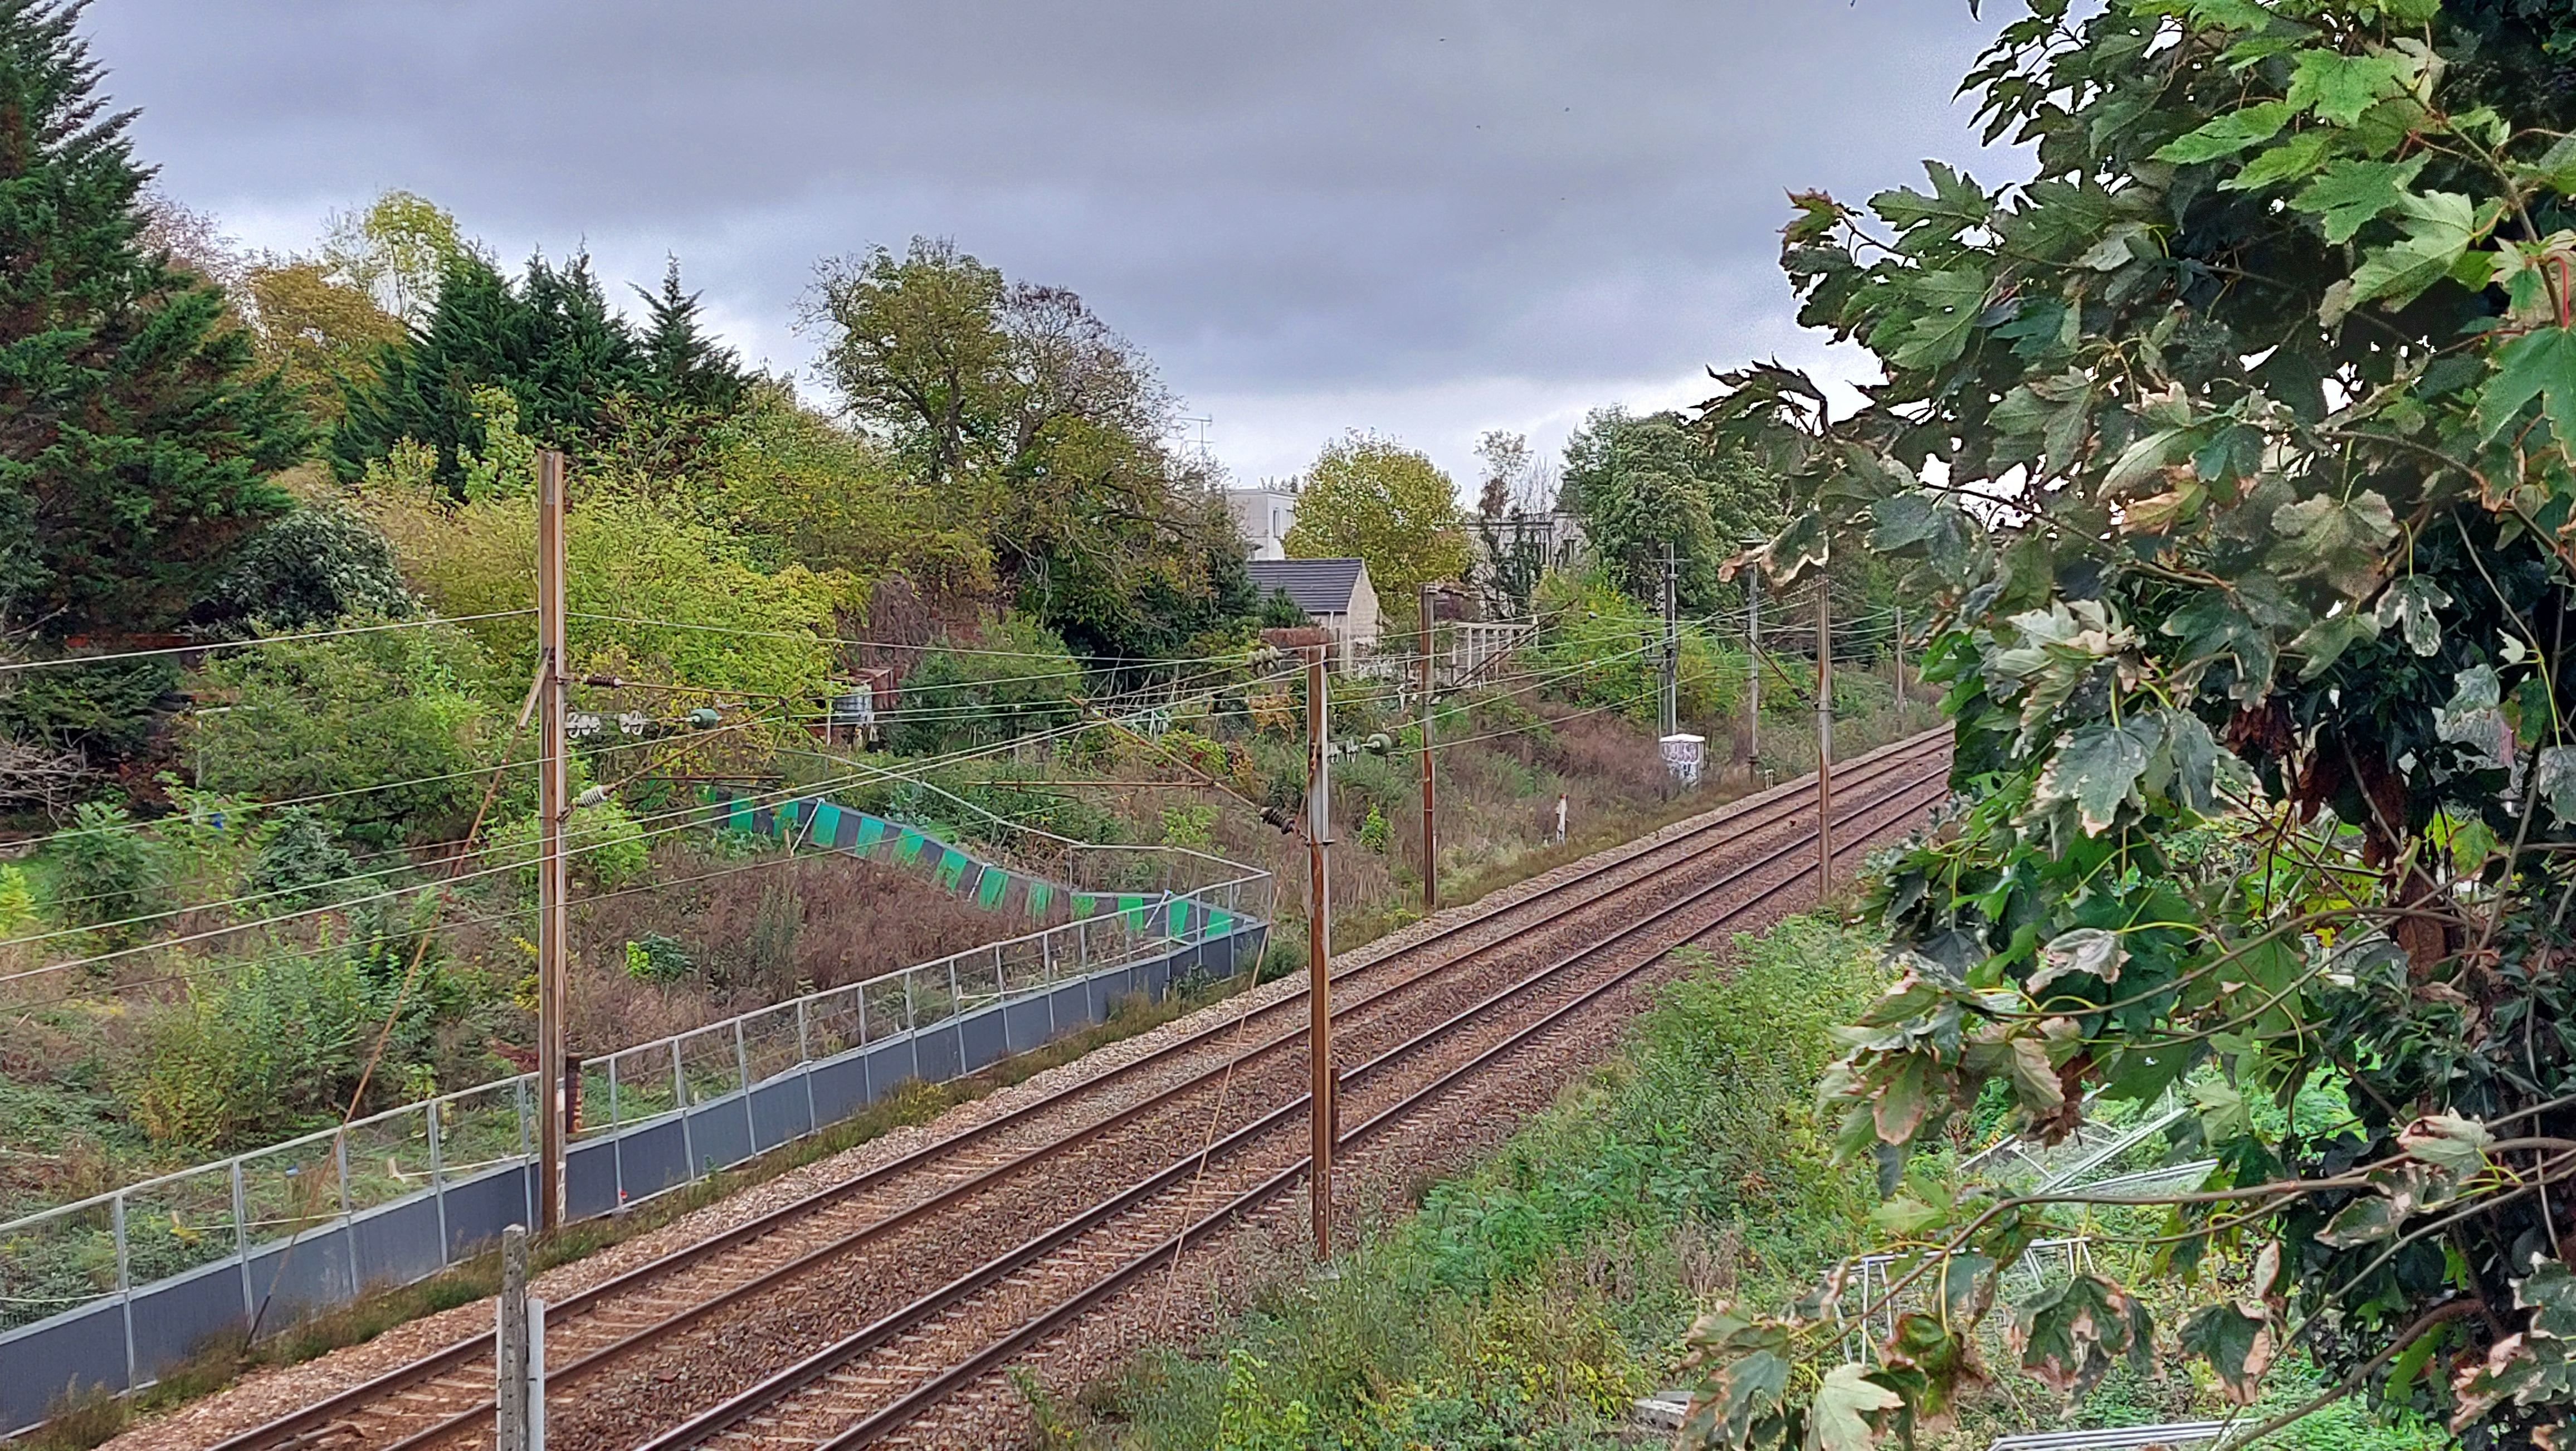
(590,1178)
(479,1208)
(719,1134)
(840,1087)
(1027,1024)
(780,1112)
(890,1065)
(175,1316)
(394,1245)
(983,1038)
(651,1158)
(124,1340)
(311,1272)
(50,1358)
(937,1054)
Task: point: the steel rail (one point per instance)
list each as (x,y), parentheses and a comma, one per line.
(778,1387)
(1756,813)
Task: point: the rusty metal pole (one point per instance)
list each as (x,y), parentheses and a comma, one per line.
(1430,815)
(1824,740)
(554,802)
(1323,1107)
(1752,674)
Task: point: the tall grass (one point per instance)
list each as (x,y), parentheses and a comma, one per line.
(1528,1303)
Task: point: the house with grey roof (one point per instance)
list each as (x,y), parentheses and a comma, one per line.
(1335,593)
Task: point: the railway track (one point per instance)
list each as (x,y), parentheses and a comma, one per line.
(840,1314)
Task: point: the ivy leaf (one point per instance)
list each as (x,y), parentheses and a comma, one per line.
(2338,538)
(2226,135)
(2352,194)
(2192,755)
(2536,365)
(2553,776)
(2414,606)
(2238,1346)
(2366,1220)
(2452,1144)
(2473,719)
(2098,769)
(2320,645)
(1845,1406)
(2550,1293)
(2340,87)
(2439,228)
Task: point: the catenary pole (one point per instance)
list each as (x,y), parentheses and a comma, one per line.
(1323,1109)
(1824,739)
(1430,813)
(1672,701)
(554,801)
(1753,668)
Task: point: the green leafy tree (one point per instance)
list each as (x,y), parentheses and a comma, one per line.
(1373,499)
(2235,452)
(321,333)
(391,726)
(396,251)
(138,438)
(1640,482)
(683,367)
(1032,423)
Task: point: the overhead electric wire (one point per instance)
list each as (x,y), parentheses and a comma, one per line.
(212,645)
(861,772)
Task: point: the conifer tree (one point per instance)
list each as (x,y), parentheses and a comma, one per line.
(136,436)
(551,342)
(683,367)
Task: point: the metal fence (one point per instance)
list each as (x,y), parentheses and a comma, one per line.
(117,1287)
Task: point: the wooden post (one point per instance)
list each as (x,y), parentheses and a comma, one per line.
(1430,816)
(510,1345)
(554,803)
(1323,1111)
(1824,740)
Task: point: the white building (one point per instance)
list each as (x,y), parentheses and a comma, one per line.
(1264,513)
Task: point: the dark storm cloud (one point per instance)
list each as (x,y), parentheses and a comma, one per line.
(1280,200)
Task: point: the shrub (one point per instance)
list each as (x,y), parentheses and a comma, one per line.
(17,902)
(310,568)
(272,1048)
(605,842)
(107,869)
(298,858)
(1188,826)
(394,719)
(657,959)
(104,711)
(957,697)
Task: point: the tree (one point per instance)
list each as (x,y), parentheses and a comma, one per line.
(398,251)
(324,336)
(136,438)
(1640,482)
(550,340)
(2233,452)
(1033,423)
(1373,499)
(684,369)
(1509,465)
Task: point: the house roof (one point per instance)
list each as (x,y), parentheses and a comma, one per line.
(1319,586)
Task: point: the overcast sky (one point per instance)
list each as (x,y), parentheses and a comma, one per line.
(1423,219)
